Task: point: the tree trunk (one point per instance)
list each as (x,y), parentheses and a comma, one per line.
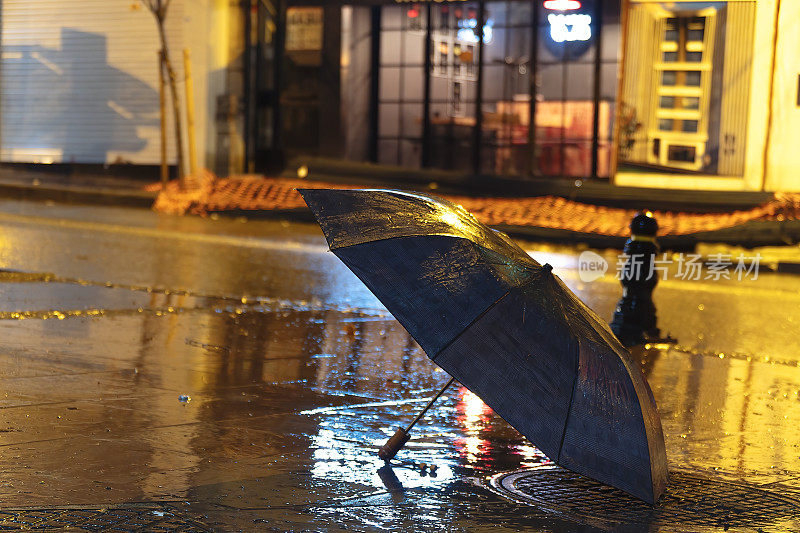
(175,102)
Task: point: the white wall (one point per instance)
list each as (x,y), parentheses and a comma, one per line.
(783,160)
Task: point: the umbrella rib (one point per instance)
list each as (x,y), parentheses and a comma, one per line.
(468,326)
(523,258)
(392,237)
(569,408)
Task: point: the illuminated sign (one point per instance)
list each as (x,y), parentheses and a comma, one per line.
(566,26)
(570,28)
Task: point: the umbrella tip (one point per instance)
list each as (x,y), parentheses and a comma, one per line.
(548,267)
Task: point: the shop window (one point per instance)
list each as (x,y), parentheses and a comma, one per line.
(682,154)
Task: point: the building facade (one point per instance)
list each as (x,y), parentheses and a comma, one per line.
(446,85)
(710,95)
(679,94)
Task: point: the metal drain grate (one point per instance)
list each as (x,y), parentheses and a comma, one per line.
(133,517)
(691,502)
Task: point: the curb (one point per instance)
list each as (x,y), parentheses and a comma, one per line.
(76,194)
(591,191)
(749,235)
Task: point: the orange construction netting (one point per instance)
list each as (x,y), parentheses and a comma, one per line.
(258,193)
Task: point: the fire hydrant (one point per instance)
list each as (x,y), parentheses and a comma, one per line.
(634,319)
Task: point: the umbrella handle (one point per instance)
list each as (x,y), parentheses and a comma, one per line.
(401,436)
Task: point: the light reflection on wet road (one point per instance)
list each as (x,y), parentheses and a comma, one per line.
(297,374)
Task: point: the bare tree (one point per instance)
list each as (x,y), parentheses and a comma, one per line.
(159,10)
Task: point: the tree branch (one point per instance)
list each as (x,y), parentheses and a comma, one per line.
(150,5)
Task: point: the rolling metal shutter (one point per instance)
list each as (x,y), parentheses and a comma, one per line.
(79,80)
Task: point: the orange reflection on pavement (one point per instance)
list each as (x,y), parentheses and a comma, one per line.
(473,416)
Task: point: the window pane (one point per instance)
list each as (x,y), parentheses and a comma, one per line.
(683,154)
(410,153)
(413,84)
(690,126)
(695,35)
(580,79)
(694,57)
(412,120)
(692,79)
(390,120)
(387,152)
(390,83)
(691,102)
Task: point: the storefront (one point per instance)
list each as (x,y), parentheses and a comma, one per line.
(649,93)
(710,97)
(446,85)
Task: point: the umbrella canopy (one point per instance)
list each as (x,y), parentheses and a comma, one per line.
(506,328)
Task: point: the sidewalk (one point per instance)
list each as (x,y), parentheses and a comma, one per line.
(775,222)
(589,191)
(556,212)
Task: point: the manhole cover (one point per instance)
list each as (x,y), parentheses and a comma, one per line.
(691,502)
(131,517)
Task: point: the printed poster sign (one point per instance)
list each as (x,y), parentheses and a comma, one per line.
(304,29)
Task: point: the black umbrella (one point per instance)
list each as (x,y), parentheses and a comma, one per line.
(506,328)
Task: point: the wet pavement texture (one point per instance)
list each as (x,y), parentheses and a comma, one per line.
(239,368)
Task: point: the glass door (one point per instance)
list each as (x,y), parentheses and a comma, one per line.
(455,45)
(401,80)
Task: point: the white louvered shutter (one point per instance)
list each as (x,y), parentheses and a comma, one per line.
(79,80)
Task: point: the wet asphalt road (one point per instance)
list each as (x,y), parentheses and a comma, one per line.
(295,374)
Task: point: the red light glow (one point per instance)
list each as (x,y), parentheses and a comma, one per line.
(562,5)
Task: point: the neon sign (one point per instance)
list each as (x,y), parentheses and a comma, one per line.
(570,28)
(562,5)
